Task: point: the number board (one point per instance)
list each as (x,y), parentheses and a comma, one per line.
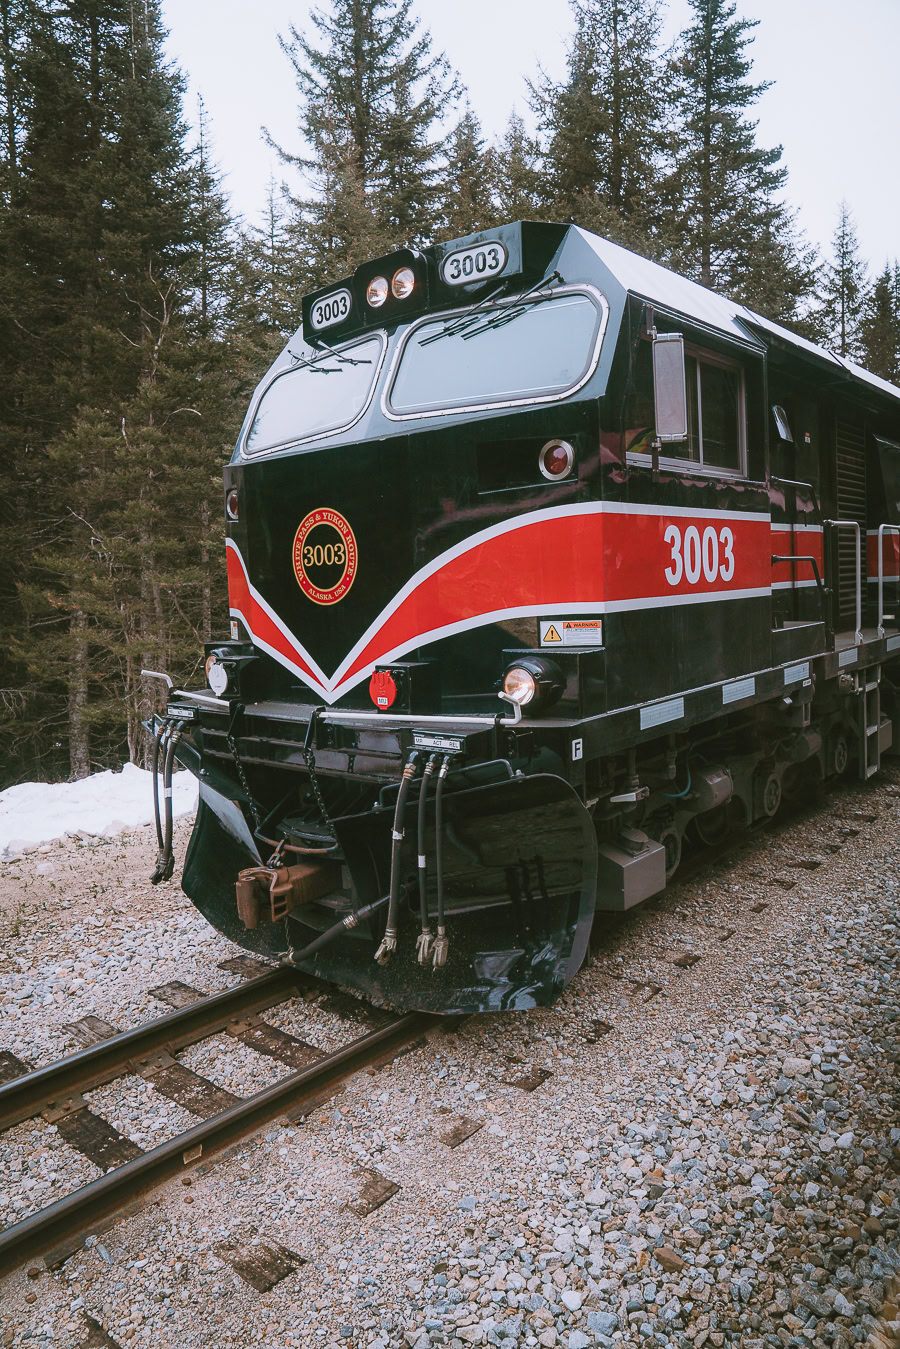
(330,309)
(478,262)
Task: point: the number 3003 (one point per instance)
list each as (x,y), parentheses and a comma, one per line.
(693,556)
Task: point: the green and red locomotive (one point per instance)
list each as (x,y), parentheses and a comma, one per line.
(539,556)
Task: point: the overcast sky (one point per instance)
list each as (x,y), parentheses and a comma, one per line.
(833,105)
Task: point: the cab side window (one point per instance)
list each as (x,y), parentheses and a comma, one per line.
(717,435)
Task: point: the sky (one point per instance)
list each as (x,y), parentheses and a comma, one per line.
(832,106)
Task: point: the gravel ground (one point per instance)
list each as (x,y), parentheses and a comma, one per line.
(712,1159)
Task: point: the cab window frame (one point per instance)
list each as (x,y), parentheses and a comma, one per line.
(703,356)
(311,437)
(532,398)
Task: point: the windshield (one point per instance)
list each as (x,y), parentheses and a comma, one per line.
(539,349)
(326,391)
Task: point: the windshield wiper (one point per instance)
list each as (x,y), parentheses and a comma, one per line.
(459,324)
(544,290)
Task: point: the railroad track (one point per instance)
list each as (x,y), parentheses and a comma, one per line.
(56,1093)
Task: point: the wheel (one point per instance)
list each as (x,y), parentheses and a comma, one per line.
(771,795)
(670,839)
(840,755)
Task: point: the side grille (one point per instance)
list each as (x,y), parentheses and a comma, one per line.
(850,443)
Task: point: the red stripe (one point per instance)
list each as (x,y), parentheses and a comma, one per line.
(256,618)
(597,558)
(890,554)
(803,542)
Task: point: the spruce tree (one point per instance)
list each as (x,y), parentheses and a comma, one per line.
(844,289)
(469,185)
(122,394)
(372,96)
(602,125)
(518,174)
(728,227)
(880,328)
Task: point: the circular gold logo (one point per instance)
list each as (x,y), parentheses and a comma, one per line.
(325,556)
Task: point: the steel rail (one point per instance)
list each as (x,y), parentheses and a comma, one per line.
(26,1096)
(65,1223)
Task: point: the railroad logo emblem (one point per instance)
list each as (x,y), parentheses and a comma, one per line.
(325,556)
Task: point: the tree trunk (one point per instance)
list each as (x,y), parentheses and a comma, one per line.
(79,737)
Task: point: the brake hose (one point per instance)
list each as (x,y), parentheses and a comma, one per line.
(423,945)
(441,944)
(389,940)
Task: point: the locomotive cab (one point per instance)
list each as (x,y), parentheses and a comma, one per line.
(541,560)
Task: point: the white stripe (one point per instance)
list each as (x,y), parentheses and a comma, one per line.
(520,522)
(279,624)
(798,529)
(791,585)
(335,687)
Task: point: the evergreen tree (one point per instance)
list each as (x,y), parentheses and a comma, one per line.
(469,189)
(602,125)
(517,160)
(728,225)
(372,96)
(14,25)
(844,290)
(119,388)
(212,224)
(880,328)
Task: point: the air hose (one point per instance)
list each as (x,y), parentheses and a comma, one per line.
(441,944)
(165,861)
(389,940)
(423,945)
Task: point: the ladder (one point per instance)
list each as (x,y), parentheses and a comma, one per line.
(874,736)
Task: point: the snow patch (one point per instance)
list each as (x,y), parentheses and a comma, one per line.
(104,803)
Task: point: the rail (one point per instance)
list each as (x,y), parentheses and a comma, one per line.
(820,584)
(891,529)
(793,482)
(68,1220)
(854,525)
(26,1096)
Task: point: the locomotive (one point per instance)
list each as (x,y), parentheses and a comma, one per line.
(541,559)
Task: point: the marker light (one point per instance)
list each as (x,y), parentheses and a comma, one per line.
(231,504)
(216,675)
(519,685)
(403,283)
(377,291)
(556,459)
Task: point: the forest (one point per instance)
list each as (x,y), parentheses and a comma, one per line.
(137,312)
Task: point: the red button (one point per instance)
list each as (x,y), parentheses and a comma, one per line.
(382,689)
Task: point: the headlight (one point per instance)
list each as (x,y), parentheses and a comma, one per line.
(231,504)
(377,291)
(534,682)
(403,282)
(216,675)
(519,685)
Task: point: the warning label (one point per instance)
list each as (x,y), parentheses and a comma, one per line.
(571,631)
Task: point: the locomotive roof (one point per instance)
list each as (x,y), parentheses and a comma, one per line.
(658,285)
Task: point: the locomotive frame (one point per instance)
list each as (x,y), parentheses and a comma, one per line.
(677,590)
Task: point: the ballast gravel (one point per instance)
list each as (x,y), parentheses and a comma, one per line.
(713,1158)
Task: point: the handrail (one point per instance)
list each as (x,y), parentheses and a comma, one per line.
(854,525)
(792,482)
(893,529)
(820,585)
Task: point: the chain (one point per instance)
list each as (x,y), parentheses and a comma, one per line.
(309,759)
(251,800)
